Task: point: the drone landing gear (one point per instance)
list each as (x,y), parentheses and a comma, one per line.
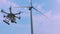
(16,22)
(13,21)
(6,22)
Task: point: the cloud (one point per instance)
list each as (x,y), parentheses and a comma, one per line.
(6,3)
(42,25)
(58,1)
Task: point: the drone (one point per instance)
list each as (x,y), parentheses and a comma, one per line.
(10,16)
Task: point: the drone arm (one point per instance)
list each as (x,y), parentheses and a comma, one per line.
(18,17)
(4,12)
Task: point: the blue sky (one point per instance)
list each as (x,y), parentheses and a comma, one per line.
(42,24)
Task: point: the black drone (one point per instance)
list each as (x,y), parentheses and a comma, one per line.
(10,16)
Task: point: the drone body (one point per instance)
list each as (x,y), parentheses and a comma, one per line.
(10,16)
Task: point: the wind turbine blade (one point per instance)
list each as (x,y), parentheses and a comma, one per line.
(22,7)
(4,12)
(41,13)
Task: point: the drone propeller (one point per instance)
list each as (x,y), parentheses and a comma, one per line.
(4,12)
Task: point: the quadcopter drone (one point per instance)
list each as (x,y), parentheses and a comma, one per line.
(10,16)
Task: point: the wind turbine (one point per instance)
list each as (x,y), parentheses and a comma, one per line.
(30,9)
(31,19)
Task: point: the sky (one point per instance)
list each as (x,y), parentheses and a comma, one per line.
(49,24)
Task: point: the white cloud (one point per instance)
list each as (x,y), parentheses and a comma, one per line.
(58,1)
(43,25)
(6,3)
